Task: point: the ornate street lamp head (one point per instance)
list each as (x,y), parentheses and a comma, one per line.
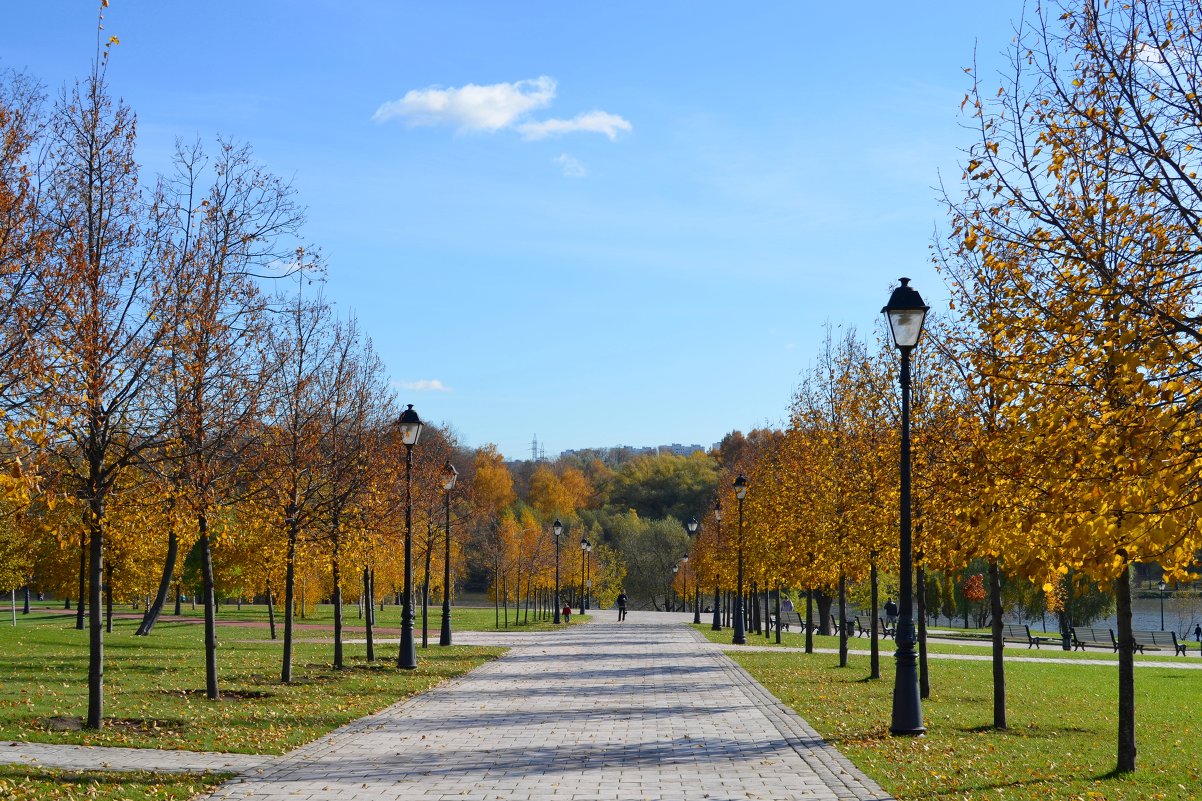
(411,426)
(449,476)
(741,486)
(718,510)
(692,525)
(557,528)
(583,544)
(905,312)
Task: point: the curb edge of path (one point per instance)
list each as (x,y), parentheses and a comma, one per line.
(838,772)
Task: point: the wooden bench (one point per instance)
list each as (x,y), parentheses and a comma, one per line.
(1012,632)
(1086,636)
(1178,645)
(784,621)
(863,624)
(1153,640)
(887,630)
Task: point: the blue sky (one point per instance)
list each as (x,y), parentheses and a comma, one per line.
(603,223)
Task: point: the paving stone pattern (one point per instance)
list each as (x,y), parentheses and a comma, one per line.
(635,710)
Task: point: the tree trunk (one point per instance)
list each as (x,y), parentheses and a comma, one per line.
(767,613)
(778,620)
(824,612)
(999,664)
(842,620)
(336,575)
(1126,751)
(924,676)
(210,602)
(25,611)
(95,627)
(178,599)
(1066,614)
(371,614)
(874,647)
(809,621)
(426,592)
(270,611)
(289,601)
(160,599)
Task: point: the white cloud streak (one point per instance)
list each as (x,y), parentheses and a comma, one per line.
(424,385)
(571,167)
(474,108)
(601,122)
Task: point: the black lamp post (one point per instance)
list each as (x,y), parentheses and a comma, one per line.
(583,554)
(692,527)
(557,530)
(411,430)
(675,571)
(449,476)
(588,576)
(905,313)
(684,598)
(1161,586)
(717,624)
(740,637)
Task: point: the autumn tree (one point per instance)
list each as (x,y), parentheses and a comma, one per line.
(99,366)
(289,462)
(1071,208)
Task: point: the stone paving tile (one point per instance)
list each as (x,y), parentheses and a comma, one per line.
(89,757)
(604,711)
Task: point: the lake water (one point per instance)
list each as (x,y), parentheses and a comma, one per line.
(1180,615)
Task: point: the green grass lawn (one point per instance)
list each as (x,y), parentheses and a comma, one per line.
(23,783)
(1061,740)
(154,686)
(388,621)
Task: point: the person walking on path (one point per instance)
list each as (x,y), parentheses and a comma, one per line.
(567,613)
(1198,632)
(621,606)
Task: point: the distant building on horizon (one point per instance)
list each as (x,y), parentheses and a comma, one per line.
(628,451)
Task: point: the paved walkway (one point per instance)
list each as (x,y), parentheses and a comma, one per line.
(603,711)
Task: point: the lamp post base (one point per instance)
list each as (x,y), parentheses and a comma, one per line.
(907,704)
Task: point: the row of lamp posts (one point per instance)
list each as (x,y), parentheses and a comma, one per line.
(905,313)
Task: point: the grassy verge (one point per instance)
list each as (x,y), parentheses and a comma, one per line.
(154,686)
(388,620)
(25,783)
(1060,744)
(979,647)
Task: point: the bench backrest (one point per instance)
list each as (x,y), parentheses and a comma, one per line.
(1154,637)
(1016,630)
(1092,635)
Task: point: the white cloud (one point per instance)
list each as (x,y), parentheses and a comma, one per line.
(424,385)
(570,166)
(496,107)
(472,107)
(601,122)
